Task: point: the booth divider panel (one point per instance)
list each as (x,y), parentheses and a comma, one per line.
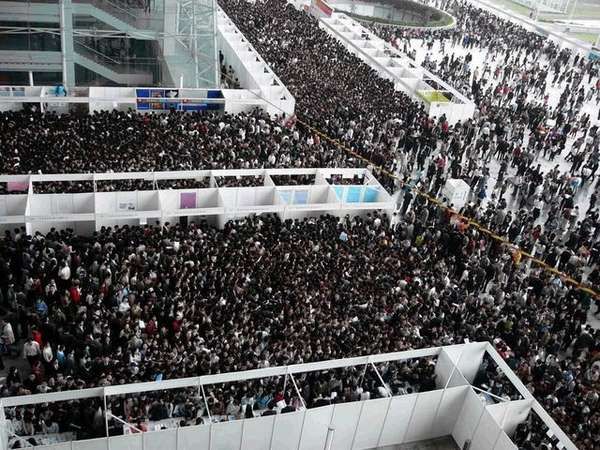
(457,379)
(42,205)
(370,423)
(60,446)
(449,409)
(453,352)
(225,435)
(257,433)
(246,197)
(345,420)
(127,201)
(83,203)
(63,203)
(126,442)
(470,359)
(160,440)
(517,412)
(486,433)
(468,418)
(288,427)
(316,424)
(398,418)
(13,205)
(193,438)
(504,443)
(92,444)
(422,421)
(4,205)
(443,370)
(498,411)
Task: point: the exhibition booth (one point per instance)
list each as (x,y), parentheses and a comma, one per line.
(88,202)
(454,409)
(436,95)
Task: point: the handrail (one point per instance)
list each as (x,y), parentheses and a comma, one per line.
(110,7)
(95,54)
(124,67)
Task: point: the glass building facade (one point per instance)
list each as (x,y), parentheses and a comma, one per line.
(168,43)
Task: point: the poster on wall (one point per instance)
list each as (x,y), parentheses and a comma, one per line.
(353,194)
(126,206)
(371,194)
(17,186)
(300,197)
(187,200)
(127,201)
(153,99)
(157,99)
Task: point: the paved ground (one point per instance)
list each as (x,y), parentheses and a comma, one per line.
(480,58)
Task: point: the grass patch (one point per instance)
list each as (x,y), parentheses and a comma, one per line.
(586,37)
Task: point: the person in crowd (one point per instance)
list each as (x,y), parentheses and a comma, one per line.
(148,303)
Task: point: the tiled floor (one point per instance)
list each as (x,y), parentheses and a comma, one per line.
(480,58)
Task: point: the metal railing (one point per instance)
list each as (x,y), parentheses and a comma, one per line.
(95,55)
(116,9)
(119,65)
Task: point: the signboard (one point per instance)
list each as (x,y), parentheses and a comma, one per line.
(17,186)
(187,200)
(154,99)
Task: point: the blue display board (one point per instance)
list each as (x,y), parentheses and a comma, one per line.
(353,194)
(285,196)
(300,197)
(156,99)
(339,191)
(371,195)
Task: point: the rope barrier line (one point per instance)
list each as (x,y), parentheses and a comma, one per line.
(542,264)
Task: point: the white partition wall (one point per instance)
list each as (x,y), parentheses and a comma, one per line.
(89,211)
(459,412)
(394,65)
(122,99)
(251,69)
(13,209)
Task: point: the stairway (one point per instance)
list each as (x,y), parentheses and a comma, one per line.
(110,68)
(135,22)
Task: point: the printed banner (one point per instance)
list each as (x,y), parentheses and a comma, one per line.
(187,200)
(17,186)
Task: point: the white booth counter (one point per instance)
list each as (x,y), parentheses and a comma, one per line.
(92,99)
(457,192)
(87,202)
(436,95)
(452,407)
(253,73)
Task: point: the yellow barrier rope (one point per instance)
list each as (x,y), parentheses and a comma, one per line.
(564,277)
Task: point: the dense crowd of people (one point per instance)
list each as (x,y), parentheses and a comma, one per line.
(147,303)
(127,141)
